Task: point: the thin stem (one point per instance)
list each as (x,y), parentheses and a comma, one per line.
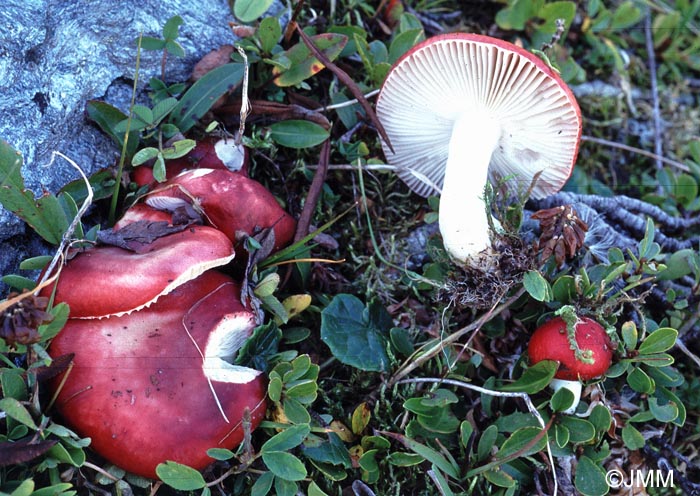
(658,146)
(346,104)
(122,158)
(638,151)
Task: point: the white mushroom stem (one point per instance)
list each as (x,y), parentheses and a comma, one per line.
(573,386)
(463,219)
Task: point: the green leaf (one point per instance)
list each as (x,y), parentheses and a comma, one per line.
(666,396)
(486,442)
(632,438)
(295,411)
(180,477)
(562,400)
(663,411)
(199,98)
(171,29)
(287,439)
(639,381)
(269,33)
(263,485)
(144,113)
(60,489)
(302,63)
(298,134)
(107,117)
(561,435)
(284,465)
(163,108)
(534,379)
(17,411)
(174,48)
(657,360)
(432,456)
(537,286)
(658,341)
(518,443)
(250,10)
(332,452)
(67,454)
(20,283)
(401,459)
(404,42)
(625,16)
(314,490)
(44,214)
(25,488)
(151,43)
(13,385)
(582,431)
(179,149)
(60,314)
(284,487)
(590,478)
(144,155)
(220,453)
(499,477)
(355,334)
(630,335)
(680,264)
(601,418)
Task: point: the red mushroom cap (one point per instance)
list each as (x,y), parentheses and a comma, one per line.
(230,202)
(209,153)
(108,280)
(141,212)
(141,384)
(550,342)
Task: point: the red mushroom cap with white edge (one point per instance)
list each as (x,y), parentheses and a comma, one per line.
(229,202)
(550,342)
(158,384)
(461,109)
(140,212)
(209,153)
(108,280)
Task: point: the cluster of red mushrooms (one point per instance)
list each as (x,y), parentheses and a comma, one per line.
(154,324)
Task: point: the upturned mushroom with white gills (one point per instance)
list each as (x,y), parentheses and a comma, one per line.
(461,109)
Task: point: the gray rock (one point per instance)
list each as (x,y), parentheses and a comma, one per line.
(55,55)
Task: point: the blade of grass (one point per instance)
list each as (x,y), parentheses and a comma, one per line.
(122,158)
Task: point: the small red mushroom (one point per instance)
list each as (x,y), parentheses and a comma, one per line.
(210,153)
(229,202)
(108,280)
(157,384)
(551,342)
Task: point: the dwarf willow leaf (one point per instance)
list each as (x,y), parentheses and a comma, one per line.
(534,379)
(298,134)
(250,10)
(658,341)
(180,477)
(590,478)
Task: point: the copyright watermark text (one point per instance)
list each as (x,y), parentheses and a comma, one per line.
(618,479)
